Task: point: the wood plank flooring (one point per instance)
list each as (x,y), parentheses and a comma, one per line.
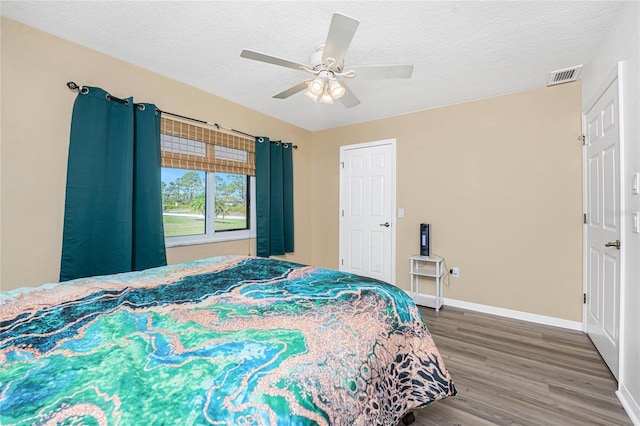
(511,372)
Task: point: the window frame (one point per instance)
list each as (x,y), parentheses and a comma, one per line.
(210,235)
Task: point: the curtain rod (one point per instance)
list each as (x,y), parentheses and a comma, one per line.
(73,86)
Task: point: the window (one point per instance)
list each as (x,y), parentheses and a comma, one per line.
(183,202)
(207,185)
(190,197)
(231,201)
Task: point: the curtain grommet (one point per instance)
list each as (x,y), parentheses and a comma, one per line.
(277,143)
(84,90)
(108,96)
(285,145)
(141,107)
(260,140)
(126,102)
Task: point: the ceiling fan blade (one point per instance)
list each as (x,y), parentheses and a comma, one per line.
(341,32)
(349,99)
(292,90)
(257,56)
(375,72)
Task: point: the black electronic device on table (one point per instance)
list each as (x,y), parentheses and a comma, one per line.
(425,239)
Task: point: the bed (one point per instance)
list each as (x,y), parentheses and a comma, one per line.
(231,340)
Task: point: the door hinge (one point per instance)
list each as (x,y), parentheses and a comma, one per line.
(342,164)
(584,298)
(584,218)
(583,138)
(342,262)
(342,213)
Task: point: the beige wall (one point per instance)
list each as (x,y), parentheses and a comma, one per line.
(500,181)
(36,114)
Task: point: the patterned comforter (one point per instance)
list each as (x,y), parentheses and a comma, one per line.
(223,341)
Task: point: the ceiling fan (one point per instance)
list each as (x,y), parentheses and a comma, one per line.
(326,64)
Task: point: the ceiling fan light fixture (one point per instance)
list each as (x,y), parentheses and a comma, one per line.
(325,98)
(336,90)
(316,86)
(311,96)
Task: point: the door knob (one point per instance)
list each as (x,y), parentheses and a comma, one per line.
(386,224)
(615,244)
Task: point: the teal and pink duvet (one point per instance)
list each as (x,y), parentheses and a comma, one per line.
(222,341)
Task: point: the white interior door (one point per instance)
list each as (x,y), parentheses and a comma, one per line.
(367,205)
(603,226)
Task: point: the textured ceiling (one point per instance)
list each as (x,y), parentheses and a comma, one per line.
(461,50)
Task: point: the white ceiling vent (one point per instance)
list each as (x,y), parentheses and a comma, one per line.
(565,75)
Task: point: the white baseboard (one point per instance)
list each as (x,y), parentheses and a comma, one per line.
(630,405)
(429,301)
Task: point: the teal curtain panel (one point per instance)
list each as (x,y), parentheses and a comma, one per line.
(148,248)
(263,195)
(274,197)
(276,200)
(287,195)
(113,205)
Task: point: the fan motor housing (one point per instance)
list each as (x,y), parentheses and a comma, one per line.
(316,62)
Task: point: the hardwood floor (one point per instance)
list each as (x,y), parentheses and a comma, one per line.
(511,372)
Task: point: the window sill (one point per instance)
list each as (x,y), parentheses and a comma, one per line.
(220,237)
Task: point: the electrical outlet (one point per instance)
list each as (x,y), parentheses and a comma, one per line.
(455,272)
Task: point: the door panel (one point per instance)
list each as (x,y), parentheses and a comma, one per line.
(594,190)
(355,250)
(609,118)
(376,253)
(603,226)
(594,284)
(609,172)
(377,188)
(357,196)
(593,129)
(610,298)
